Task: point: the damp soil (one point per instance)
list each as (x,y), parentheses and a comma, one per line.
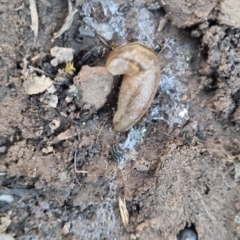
(181,168)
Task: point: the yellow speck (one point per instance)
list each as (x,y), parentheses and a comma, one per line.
(70,69)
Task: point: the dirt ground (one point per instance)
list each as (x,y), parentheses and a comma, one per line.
(180,164)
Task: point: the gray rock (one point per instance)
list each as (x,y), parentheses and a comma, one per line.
(3,149)
(61,55)
(86,31)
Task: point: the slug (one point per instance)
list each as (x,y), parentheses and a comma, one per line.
(141,71)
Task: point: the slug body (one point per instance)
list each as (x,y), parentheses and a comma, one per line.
(141,71)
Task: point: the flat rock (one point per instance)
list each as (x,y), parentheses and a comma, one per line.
(36,85)
(6,236)
(94,84)
(229,13)
(185,13)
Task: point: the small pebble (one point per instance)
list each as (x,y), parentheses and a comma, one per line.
(61,55)
(188,234)
(6,198)
(62,176)
(196,33)
(157,48)
(86,31)
(3,149)
(153,5)
(47,150)
(66,228)
(54,124)
(53,101)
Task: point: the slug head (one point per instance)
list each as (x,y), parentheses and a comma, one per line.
(118,65)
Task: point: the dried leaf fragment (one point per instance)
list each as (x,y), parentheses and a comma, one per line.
(123,211)
(66,135)
(36,84)
(162,24)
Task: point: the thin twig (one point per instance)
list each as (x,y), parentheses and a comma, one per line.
(99,133)
(19,8)
(101,130)
(57,200)
(40,71)
(161,50)
(167,135)
(79,184)
(204,205)
(75,164)
(104,42)
(38,56)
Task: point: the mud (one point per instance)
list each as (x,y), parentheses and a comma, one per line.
(177,167)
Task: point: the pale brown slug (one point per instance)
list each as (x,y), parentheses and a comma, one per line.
(141,71)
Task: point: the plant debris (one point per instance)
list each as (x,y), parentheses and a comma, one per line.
(123,211)
(34,16)
(68,21)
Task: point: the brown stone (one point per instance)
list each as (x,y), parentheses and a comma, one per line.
(94,85)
